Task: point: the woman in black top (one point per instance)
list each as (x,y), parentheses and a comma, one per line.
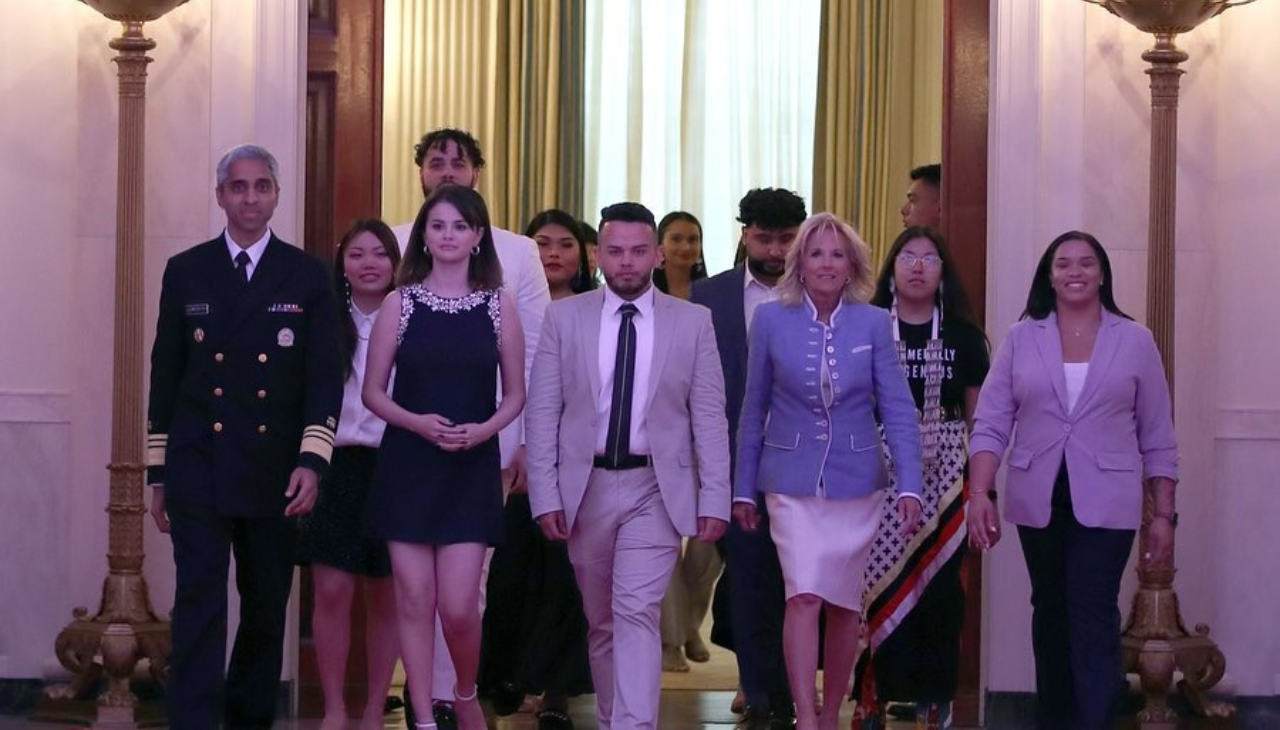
(915,603)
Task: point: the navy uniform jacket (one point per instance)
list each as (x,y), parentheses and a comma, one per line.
(246,379)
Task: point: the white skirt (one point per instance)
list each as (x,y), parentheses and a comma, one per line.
(824,544)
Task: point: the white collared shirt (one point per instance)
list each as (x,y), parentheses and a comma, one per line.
(358,426)
(609,321)
(754,293)
(254,251)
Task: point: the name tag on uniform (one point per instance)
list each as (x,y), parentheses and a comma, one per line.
(195,310)
(285,309)
(859,348)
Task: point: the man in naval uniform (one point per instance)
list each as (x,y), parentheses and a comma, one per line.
(246,387)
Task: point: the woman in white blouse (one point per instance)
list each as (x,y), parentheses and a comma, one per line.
(332,537)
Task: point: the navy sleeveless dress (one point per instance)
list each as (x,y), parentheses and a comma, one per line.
(447,364)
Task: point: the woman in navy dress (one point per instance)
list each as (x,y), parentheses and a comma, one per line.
(437,492)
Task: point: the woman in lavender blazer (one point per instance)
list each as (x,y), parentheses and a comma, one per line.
(1084,386)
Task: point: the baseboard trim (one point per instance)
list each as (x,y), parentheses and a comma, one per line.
(1010,710)
(21,696)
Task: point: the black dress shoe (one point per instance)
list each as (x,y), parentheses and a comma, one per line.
(506,699)
(754,717)
(554,720)
(783,718)
(444,715)
(391,704)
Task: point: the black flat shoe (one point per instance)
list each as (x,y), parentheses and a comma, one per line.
(506,699)
(445,716)
(554,720)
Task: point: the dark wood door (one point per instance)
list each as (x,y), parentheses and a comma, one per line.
(964,216)
(344,182)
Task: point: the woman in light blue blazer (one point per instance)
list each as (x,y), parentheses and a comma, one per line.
(821,366)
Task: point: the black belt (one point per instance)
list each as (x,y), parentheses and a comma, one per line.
(626,461)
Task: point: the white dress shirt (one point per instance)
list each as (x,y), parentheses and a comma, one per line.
(358,426)
(609,322)
(254,251)
(754,293)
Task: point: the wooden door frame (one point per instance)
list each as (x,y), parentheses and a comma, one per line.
(965,110)
(344,182)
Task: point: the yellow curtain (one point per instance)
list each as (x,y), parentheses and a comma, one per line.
(508,71)
(879,109)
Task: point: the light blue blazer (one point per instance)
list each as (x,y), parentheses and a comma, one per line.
(790,440)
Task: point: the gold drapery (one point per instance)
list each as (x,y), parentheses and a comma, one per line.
(879,110)
(508,71)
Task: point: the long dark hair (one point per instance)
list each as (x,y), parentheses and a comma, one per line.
(699,268)
(582,279)
(342,286)
(952,297)
(1042,300)
(484,271)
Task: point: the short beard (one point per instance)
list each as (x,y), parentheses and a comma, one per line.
(633,291)
(763,269)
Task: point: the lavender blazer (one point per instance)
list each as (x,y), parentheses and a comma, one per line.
(1119,434)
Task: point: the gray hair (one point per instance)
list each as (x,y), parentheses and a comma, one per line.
(247,152)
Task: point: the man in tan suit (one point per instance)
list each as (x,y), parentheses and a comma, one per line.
(628,450)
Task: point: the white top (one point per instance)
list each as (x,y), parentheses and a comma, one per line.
(358,426)
(1075,373)
(254,251)
(754,293)
(609,321)
(524,280)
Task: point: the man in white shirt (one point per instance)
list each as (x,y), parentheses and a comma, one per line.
(452,156)
(752,588)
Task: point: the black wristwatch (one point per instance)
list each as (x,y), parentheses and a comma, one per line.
(1172,518)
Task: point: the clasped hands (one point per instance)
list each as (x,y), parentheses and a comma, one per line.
(450,436)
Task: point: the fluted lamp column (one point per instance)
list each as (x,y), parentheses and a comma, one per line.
(1155,640)
(109,644)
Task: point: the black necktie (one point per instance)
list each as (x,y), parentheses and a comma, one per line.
(242,266)
(617,443)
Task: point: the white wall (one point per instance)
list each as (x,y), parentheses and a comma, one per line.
(1069,149)
(223,73)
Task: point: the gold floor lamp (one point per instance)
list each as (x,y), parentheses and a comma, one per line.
(1155,640)
(109,644)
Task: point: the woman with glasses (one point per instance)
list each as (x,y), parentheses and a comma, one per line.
(914,600)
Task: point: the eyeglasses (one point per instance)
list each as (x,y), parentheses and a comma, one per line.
(909,259)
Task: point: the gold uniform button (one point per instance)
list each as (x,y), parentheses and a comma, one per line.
(262,357)
(262,429)
(217,392)
(217,427)
(262,394)
(218,357)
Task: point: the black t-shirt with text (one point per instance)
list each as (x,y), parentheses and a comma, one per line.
(964,357)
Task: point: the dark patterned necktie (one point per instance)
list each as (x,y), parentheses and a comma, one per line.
(242,266)
(617,443)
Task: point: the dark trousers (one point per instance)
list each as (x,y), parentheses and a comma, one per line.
(757,604)
(1075,622)
(202,545)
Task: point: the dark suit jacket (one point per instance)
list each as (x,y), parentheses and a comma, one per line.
(723,295)
(246,379)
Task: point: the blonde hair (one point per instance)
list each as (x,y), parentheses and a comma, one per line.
(860,284)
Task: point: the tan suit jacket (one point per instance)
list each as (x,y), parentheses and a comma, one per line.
(688,433)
